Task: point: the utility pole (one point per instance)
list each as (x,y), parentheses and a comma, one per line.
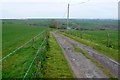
(68,17)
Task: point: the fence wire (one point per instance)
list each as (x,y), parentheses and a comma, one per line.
(33,59)
(39,45)
(19,47)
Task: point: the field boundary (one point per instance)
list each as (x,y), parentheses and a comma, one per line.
(33,59)
(21,46)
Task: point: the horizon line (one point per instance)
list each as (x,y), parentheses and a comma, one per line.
(57,18)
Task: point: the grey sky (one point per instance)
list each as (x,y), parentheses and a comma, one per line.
(105,9)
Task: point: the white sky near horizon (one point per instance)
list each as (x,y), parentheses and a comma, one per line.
(92,9)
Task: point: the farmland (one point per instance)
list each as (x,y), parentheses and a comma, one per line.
(81,23)
(15,35)
(21,59)
(31,43)
(99,36)
(20,34)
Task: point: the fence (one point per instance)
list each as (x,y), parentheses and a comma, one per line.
(35,69)
(103,37)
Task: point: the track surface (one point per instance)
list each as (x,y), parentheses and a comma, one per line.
(108,63)
(80,65)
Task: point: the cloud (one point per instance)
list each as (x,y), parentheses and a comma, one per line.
(58,8)
(65,1)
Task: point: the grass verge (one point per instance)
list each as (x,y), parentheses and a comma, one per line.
(94,61)
(56,66)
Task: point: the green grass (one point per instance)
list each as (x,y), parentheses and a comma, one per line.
(26,21)
(82,23)
(56,65)
(91,23)
(98,36)
(15,35)
(0,49)
(110,52)
(94,61)
(0,39)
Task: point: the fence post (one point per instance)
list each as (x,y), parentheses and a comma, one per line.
(81,34)
(33,45)
(108,40)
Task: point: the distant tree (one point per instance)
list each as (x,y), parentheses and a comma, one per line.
(53,23)
(61,26)
(75,26)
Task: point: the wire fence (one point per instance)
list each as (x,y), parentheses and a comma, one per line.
(38,47)
(20,47)
(38,51)
(103,37)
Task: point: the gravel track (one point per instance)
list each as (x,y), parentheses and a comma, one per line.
(108,63)
(80,65)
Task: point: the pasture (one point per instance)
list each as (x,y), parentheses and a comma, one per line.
(81,23)
(99,36)
(16,35)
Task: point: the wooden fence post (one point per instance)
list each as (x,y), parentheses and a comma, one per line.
(81,35)
(108,40)
(33,45)
(35,61)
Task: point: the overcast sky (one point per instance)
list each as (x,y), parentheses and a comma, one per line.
(92,9)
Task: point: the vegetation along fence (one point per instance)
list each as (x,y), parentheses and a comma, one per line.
(107,38)
(30,59)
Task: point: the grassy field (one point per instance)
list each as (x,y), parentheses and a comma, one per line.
(83,23)
(91,23)
(25,20)
(97,40)
(0,49)
(15,35)
(99,36)
(56,65)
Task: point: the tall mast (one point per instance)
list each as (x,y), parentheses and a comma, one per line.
(68,17)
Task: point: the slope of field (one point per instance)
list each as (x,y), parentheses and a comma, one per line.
(14,36)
